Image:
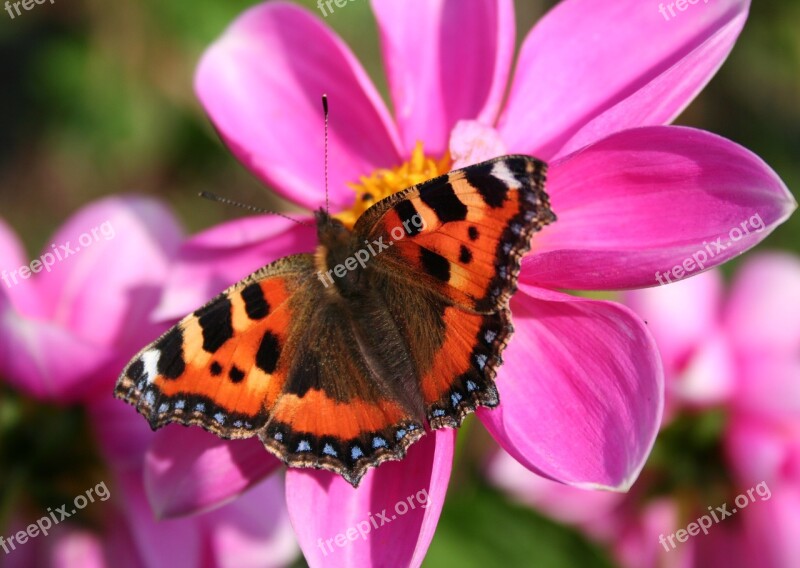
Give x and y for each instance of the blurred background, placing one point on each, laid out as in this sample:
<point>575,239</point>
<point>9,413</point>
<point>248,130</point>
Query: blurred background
<point>96,98</point>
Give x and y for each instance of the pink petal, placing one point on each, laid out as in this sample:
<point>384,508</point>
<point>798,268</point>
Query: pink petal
<point>104,293</point>
<point>123,436</point>
<point>436,78</point>
<point>94,303</point>
<point>769,384</point>
<point>14,290</point>
<point>161,543</point>
<point>65,546</point>
<point>709,378</point>
<point>48,362</point>
<point>188,470</point>
<point>585,72</point>
<point>638,544</point>
<point>651,204</point>
<point>763,320</point>
<point>254,531</point>
<point>472,142</point>
<point>341,526</point>
<point>764,309</point>
<point>760,448</point>
<point>212,260</point>
<point>678,332</point>
<point>581,391</point>
<point>771,526</point>
<point>261,84</point>
<point>75,547</point>
<point>726,544</point>
<point>698,362</point>
<point>561,502</point>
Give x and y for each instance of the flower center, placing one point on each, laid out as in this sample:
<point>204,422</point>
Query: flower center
<point>386,181</point>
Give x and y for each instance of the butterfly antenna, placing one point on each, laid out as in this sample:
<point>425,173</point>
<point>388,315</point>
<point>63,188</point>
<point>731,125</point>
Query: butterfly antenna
<point>325,112</point>
<point>219,199</point>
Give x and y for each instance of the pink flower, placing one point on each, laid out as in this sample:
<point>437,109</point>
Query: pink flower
<point>65,334</point>
<point>739,349</point>
<point>581,389</point>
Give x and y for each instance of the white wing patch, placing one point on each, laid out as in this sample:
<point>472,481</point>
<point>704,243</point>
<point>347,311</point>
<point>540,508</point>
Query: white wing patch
<point>501,172</point>
<point>150,361</point>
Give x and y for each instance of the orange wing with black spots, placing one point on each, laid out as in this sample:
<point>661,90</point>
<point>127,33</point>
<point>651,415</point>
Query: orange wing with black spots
<point>457,241</point>
<point>463,234</point>
<point>270,357</point>
<point>221,366</point>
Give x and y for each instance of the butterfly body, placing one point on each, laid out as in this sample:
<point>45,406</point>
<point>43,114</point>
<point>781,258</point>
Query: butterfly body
<point>342,358</point>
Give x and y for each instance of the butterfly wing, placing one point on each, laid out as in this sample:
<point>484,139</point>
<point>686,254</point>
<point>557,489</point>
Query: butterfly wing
<point>272,357</point>
<point>451,254</point>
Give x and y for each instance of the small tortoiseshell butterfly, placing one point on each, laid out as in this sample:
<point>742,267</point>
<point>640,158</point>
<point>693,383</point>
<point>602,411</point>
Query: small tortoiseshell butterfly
<point>341,359</point>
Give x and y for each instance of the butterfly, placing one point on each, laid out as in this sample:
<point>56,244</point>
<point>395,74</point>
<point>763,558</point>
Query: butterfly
<point>343,358</point>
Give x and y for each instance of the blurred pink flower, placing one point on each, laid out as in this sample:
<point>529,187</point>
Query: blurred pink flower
<point>739,349</point>
<point>65,334</point>
<point>633,198</point>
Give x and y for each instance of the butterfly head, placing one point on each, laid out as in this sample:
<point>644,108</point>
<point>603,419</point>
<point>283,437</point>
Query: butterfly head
<point>330,231</point>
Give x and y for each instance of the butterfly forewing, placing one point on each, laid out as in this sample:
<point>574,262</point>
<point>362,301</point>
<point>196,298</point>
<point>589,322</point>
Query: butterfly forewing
<point>462,236</point>
<point>222,366</point>
<point>271,357</point>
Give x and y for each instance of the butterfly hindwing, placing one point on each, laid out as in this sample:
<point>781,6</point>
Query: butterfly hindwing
<point>337,411</point>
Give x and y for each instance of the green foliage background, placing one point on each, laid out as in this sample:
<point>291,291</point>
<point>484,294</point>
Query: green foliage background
<point>96,98</point>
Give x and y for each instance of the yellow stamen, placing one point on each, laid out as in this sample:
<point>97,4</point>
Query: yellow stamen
<point>384,182</point>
